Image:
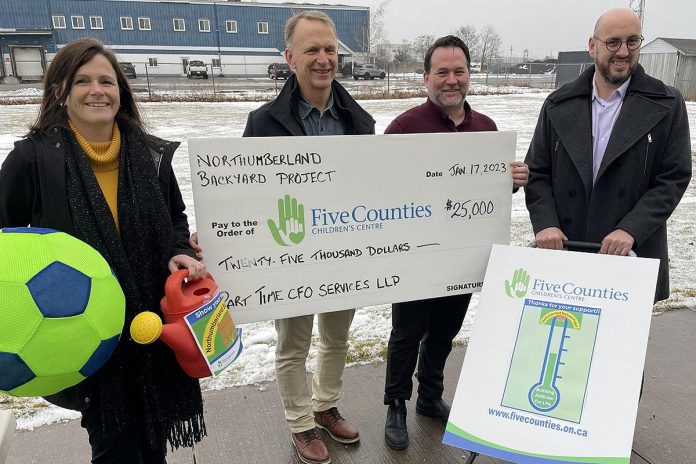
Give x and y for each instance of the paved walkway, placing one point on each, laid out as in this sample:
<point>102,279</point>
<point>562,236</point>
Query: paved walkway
<point>246,424</point>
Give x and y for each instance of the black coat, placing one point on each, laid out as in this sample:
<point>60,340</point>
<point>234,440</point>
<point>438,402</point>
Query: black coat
<point>33,192</point>
<point>643,175</point>
<point>280,117</point>
<point>33,189</point>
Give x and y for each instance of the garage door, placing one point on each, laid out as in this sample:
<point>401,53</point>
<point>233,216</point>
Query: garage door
<point>28,63</point>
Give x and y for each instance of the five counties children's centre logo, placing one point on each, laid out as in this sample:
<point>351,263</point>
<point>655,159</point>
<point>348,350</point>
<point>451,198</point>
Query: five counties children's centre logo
<point>519,285</point>
<point>290,228</point>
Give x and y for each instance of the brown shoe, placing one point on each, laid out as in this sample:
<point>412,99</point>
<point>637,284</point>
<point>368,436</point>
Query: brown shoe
<point>339,428</point>
<point>310,448</point>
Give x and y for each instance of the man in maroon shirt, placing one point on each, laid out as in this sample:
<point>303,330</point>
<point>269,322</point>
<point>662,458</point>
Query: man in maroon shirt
<point>432,324</point>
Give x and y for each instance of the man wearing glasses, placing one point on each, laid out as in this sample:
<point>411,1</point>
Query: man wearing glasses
<point>611,156</point>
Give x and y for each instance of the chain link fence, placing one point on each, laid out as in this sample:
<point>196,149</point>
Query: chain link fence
<point>255,80</point>
<point>530,74</point>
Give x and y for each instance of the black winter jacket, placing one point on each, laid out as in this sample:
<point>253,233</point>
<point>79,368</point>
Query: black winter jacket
<point>280,117</point>
<point>33,192</point>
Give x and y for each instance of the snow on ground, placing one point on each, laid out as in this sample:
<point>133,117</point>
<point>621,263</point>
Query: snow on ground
<point>371,326</point>
<point>21,92</point>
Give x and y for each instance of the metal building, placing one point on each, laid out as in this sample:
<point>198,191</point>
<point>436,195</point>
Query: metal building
<point>570,65</point>
<point>673,61</point>
<point>231,37</point>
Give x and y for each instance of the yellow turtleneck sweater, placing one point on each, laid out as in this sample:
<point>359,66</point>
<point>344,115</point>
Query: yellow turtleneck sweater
<point>104,158</point>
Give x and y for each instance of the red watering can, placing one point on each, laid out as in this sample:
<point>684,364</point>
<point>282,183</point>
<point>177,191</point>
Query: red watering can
<point>181,297</point>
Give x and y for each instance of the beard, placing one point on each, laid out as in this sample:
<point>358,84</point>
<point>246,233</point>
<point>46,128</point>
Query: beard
<point>449,101</point>
<point>605,72</point>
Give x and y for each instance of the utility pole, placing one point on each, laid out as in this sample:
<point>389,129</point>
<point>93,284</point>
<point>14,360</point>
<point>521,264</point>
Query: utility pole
<point>639,7</point>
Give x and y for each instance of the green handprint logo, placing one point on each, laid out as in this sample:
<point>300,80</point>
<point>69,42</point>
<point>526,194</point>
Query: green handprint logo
<point>290,229</point>
<point>519,285</point>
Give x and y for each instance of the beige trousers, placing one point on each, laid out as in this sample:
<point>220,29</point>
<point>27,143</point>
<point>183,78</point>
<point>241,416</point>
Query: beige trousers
<point>294,338</point>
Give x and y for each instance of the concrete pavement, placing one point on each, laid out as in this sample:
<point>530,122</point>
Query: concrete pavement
<point>246,424</point>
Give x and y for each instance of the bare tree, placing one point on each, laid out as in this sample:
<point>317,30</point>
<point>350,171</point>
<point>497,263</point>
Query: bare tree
<point>471,38</point>
<point>403,53</point>
<point>490,45</point>
<point>382,55</point>
<point>422,43</point>
<point>377,39</point>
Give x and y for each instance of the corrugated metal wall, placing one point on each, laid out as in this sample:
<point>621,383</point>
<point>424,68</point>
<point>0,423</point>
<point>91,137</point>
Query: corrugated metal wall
<point>661,66</point>
<point>351,22</point>
<point>663,61</point>
<point>25,14</point>
<point>673,69</point>
<point>686,76</point>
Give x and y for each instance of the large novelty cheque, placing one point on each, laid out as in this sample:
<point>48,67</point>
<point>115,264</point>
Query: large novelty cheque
<point>302,225</point>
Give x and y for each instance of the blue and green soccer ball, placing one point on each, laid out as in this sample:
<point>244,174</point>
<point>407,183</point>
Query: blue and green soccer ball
<point>61,311</point>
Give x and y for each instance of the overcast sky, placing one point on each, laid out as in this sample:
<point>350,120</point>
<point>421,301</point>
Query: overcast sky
<point>543,27</point>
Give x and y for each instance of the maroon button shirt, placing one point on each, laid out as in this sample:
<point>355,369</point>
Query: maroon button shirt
<point>429,118</point>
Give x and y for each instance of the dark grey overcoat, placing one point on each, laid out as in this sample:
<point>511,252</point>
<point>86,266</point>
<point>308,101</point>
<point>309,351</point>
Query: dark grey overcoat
<point>644,173</point>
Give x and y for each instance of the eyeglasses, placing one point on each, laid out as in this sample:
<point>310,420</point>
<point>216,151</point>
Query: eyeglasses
<point>613,45</point>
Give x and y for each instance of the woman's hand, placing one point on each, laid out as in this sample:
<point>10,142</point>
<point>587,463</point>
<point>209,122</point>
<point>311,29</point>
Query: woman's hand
<point>196,268</point>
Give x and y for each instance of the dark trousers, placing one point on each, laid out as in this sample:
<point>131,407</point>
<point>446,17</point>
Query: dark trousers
<point>422,331</point>
<point>130,448</point>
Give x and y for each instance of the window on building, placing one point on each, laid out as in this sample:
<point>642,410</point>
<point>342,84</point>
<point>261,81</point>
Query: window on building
<point>126,23</point>
<point>216,62</point>
<point>262,27</point>
<point>144,24</point>
<point>152,62</point>
<point>58,22</point>
<point>78,22</point>
<point>179,24</point>
<point>231,27</point>
<point>95,22</point>
<point>204,25</point>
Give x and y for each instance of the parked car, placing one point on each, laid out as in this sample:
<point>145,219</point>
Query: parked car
<point>196,68</point>
<point>368,71</point>
<point>279,70</point>
<point>128,69</point>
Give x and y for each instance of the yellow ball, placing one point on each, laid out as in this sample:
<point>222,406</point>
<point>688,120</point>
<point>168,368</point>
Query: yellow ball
<point>146,328</point>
